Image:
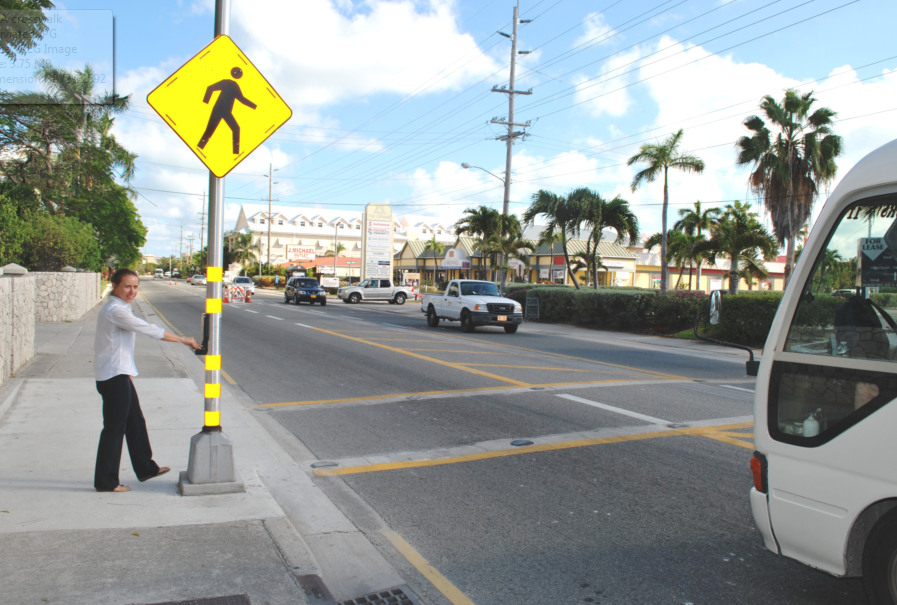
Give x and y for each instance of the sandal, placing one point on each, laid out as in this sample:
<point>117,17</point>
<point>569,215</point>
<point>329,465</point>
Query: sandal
<point>162,470</point>
<point>119,489</point>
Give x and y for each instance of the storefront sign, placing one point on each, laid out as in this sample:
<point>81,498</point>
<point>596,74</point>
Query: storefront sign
<point>330,282</point>
<point>614,264</point>
<point>300,252</point>
<point>454,263</point>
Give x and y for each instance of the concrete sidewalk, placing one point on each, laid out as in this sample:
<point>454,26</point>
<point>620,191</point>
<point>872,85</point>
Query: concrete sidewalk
<point>65,543</point>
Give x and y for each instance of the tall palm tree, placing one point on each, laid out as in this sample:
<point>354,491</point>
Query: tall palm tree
<point>336,250</point>
<point>508,247</point>
<point>789,168</point>
<point>659,157</point>
<point>740,237</point>
<point>598,214</point>
<point>694,221</point>
<point>562,215</point>
<point>551,239</point>
<point>436,248</point>
<point>243,249</point>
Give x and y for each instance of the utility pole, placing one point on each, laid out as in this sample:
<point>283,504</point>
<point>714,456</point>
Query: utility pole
<point>335,242</point>
<point>202,226</point>
<point>512,134</point>
<point>190,239</point>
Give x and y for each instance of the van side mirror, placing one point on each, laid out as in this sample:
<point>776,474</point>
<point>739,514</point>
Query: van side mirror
<point>716,307</point>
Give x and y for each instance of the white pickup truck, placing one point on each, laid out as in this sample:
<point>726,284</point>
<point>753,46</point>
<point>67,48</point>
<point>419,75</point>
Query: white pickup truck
<point>473,303</point>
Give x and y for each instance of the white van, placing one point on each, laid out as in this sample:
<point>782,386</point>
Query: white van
<point>159,274</point>
<point>825,416</point>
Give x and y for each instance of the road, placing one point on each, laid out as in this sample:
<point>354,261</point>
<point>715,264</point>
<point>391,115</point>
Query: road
<point>631,485</point>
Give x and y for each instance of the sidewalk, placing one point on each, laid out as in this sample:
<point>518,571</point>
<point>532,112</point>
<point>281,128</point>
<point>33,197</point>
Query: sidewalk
<point>65,543</point>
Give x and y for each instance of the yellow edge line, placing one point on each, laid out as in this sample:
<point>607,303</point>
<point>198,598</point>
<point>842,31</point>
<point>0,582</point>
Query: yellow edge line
<point>162,317</point>
<point>745,444</point>
<point>227,377</point>
<point>439,581</point>
<point>448,392</point>
<point>613,365</point>
<point>547,447</point>
<point>425,358</point>
<point>472,352</point>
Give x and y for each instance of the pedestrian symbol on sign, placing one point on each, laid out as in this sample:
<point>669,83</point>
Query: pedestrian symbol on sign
<point>224,108</point>
<point>239,95</point>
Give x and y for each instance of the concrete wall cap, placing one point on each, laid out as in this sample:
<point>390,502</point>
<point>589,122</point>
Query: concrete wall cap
<point>68,269</point>
<point>14,269</point>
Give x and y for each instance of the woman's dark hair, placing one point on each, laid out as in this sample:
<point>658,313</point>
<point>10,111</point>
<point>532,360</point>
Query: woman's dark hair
<point>120,274</point>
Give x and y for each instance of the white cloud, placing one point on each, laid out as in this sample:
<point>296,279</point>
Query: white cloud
<point>597,31</point>
<point>605,92</point>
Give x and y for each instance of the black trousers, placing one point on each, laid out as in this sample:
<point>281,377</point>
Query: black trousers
<point>122,418</point>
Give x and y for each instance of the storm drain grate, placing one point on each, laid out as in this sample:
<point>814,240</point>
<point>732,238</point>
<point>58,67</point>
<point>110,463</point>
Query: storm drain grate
<point>236,599</point>
<point>393,596</point>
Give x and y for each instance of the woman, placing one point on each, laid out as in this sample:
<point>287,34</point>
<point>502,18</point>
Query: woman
<point>114,366</point>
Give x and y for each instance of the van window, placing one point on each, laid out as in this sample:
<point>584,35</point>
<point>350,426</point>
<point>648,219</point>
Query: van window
<point>845,314</point>
<point>848,304</point>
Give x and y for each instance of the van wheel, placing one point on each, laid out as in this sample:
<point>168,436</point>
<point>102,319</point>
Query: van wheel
<point>400,299</point>
<point>286,299</point>
<point>466,321</point>
<point>880,562</point>
<point>355,298</point>
<point>511,328</point>
<point>432,319</point>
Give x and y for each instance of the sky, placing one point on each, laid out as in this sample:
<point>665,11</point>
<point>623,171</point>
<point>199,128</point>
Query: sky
<point>390,97</point>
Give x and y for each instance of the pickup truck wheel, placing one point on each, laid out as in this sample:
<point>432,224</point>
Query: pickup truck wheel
<point>466,321</point>
<point>355,298</point>
<point>880,562</point>
<point>432,319</point>
<point>511,328</point>
<point>400,299</point>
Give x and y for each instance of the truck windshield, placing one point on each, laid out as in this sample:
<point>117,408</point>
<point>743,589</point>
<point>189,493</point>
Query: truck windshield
<point>479,289</point>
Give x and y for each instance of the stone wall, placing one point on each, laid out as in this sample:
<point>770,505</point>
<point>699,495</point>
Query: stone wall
<point>65,296</point>
<point>17,317</point>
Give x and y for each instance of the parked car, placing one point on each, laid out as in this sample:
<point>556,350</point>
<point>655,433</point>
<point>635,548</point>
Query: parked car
<point>375,289</point>
<point>246,283</point>
<point>473,303</point>
<point>198,279</point>
<point>167,274</point>
<point>307,289</point>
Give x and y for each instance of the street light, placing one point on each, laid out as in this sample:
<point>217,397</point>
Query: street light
<point>467,166</point>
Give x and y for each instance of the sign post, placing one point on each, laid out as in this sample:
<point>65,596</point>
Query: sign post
<point>222,107</point>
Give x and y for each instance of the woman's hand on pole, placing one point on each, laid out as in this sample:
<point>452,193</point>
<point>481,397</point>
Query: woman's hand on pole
<point>184,340</point>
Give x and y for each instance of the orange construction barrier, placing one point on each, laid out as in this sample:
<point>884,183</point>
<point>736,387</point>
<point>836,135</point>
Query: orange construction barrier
<point>226,295</point>
<point>248,296</point>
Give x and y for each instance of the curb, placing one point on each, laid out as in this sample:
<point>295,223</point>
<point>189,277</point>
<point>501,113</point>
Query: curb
<point>12,390</point>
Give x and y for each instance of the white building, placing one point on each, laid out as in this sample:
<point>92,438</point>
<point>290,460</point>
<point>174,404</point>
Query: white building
<point>323,228</point>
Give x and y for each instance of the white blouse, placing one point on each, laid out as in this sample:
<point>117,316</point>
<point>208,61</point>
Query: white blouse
<point>113,345</point>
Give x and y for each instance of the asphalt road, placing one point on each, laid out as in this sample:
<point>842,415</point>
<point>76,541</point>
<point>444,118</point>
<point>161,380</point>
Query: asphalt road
<point>634,489</point>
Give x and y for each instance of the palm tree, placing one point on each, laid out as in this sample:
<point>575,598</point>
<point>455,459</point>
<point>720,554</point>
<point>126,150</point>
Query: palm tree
<point>563,218</point>
<point>740,237</point>
<point>243,249</point>
<point>481,224</point>
<point>508,247</point>
<point>680,251</point>
<point>336,250</point>
<point>788,170</point>
<point>550,238</point>
<point>437,248</point>
<point>663,156</point>
<point>694,222</point>
<point>598,214</point>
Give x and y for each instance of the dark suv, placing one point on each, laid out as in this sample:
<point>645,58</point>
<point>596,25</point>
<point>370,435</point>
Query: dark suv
<point>304,288</point>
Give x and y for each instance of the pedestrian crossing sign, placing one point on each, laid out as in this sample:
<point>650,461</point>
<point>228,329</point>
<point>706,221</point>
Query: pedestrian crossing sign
<point>220,105</point>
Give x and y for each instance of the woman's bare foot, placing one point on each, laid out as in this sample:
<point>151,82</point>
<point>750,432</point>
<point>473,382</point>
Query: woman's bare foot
<point>119,489</point>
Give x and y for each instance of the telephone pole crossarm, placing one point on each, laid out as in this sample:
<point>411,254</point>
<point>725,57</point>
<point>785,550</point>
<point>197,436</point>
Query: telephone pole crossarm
<point>512,92</point>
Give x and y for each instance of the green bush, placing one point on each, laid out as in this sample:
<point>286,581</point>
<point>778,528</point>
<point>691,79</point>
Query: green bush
<point>746,317</point>
<point>887,300</point>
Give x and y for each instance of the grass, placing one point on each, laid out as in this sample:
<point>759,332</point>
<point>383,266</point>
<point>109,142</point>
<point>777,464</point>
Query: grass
<point>688,334</point>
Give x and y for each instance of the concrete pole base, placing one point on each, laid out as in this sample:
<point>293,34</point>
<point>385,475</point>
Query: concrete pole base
<point>210,469</point>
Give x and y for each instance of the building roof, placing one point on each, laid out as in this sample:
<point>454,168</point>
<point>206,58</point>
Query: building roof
<point>417,246</point>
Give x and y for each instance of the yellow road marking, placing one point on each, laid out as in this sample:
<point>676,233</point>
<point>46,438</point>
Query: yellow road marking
<point>721,434</point>
<point>425,358</point>
<point>471,352</point>
<point>162,317</point>
<point>447,392</point>
<point>613,365</point>
<point>227,377</point>
<point>532,449</point>
<point>495,365</point>
<point>439,581</point>
<point>431,341</point>
<point>547,447</point>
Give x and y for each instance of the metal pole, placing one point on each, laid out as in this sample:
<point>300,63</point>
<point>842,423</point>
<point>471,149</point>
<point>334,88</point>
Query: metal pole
<point>211,462</point>
<point>270,177</point>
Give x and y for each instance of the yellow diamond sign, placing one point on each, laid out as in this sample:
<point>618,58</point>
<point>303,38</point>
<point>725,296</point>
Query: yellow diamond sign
<point>220,105</point>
